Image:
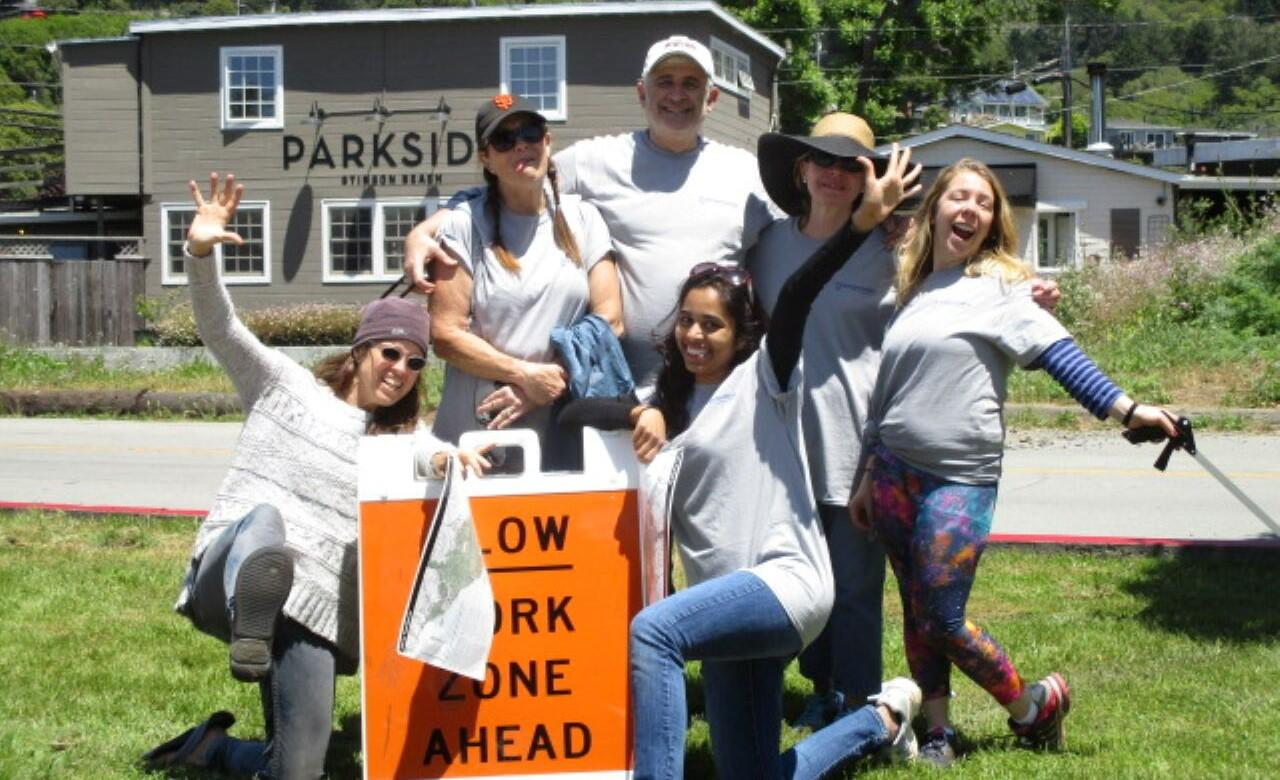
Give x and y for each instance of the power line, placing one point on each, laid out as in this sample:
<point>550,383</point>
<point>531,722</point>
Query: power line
<point>1262,19</point>
<point>1141,92</point>
<point>943,76</point>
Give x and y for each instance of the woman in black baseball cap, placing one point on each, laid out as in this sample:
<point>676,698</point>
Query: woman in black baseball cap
<point>529,261</point>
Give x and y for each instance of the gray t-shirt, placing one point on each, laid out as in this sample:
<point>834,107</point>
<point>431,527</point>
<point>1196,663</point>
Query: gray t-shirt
<point>842,341</point>
<point>666,213</point>
<point>939,399</point>
<point>515,311</point>
<point>742,498</point>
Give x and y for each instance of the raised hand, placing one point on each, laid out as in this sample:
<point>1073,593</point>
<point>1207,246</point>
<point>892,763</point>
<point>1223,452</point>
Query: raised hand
<point>210,224</point>
<point>881,195</point>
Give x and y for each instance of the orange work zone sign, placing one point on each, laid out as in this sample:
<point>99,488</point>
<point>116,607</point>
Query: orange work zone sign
<point>562,557</point>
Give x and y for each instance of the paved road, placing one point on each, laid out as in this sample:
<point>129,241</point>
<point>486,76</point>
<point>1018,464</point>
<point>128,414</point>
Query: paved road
<point>1055,485</point>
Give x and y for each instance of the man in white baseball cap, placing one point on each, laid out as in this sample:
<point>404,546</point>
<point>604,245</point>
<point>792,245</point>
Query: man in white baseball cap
<point>679,46</point>
<point>670,198</point>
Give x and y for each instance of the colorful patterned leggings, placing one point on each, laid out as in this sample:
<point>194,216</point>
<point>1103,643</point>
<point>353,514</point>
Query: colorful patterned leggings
<point>934,532</point>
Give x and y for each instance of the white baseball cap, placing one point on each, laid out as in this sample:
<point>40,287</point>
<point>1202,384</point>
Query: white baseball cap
<point>679,46</point>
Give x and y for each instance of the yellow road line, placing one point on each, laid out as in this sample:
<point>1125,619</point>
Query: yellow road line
<point>1147,472</point>
<point>107,448</point>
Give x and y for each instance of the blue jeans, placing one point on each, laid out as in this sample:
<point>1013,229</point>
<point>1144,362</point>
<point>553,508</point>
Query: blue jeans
<point>297,695</point>
<point>738,629</point>
<point>847,654</point>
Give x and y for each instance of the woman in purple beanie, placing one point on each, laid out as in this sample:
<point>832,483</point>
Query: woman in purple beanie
<point>273,568</point>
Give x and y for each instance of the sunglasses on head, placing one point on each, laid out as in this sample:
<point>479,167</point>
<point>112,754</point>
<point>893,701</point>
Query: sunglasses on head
<point>393,355</point>
<point>824,160</point>
<point>504,139</point>
<point>734,275</point>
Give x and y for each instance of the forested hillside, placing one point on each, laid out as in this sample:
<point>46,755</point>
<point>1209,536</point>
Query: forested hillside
<point>900,63</point>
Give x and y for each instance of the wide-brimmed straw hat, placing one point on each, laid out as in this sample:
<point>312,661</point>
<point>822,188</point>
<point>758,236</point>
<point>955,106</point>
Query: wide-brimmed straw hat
<point>837,134</point>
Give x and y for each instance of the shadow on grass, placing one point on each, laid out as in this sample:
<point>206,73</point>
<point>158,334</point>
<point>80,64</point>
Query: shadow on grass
<point>1226,594</point>
<point>343,759</point>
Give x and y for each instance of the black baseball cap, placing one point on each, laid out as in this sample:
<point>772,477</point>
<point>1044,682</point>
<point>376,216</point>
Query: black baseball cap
<point>498,108</point>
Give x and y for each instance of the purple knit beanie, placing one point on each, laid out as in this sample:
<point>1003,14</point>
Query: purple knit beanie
<point>387,319</point>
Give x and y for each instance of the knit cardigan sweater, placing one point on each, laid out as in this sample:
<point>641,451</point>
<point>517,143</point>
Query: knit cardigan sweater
<point>297,452</point>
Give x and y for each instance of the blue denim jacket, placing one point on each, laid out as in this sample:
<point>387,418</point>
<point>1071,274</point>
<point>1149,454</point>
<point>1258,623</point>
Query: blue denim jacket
<point>593,357</point>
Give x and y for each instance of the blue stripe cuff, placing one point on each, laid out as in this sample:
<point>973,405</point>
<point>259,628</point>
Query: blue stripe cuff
<point>1079,376</point>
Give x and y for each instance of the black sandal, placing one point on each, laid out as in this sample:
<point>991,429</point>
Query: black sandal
<point>181,749</point>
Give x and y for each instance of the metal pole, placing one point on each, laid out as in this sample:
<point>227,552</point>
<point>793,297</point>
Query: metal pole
<point>1066,78</point>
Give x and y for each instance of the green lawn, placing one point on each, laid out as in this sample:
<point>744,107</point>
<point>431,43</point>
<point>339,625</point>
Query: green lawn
<point>1173,658</point>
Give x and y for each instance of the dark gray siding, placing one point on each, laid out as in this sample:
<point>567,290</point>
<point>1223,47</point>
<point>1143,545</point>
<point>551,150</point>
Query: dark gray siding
<point>410,66</point>
<point>100,117</point>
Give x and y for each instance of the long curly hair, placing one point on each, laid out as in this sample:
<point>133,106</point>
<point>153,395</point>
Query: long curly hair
<point>997,255</point>
<point>338,371</point>
<point>675,381</point>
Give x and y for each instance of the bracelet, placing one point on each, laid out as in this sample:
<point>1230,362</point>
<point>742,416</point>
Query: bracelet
<point>1128,416</point>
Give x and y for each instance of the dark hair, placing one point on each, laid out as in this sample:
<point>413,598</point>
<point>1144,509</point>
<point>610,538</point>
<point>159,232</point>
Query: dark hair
<point>338,371</point>
<point>675,381</point>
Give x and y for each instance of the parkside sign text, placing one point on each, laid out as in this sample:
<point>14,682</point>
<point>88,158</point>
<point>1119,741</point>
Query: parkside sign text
<point>391,150</point>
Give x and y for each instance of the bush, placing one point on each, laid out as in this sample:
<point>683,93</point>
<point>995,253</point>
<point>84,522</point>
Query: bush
<point>303,324</point>
<point>1250,296</point>
<point>1221,277</point>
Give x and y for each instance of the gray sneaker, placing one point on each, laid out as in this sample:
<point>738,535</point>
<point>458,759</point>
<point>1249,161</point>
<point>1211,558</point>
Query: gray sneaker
<point>819,710</point>
<point>902,696</point>
<point>939,747</point>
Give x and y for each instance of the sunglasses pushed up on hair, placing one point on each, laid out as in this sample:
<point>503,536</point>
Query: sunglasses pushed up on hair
<point>504,139</point>
<point>734,275</point>
<point>824,160</point>
<point>393,355</point>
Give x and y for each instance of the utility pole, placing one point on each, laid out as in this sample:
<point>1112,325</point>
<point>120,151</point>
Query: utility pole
<point>1066,77</point>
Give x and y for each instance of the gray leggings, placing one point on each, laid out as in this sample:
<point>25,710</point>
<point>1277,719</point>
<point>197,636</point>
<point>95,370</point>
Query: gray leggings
<point>297,695</point>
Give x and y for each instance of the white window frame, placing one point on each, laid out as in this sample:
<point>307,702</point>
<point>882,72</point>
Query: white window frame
<point>224,113</point>
<point>1049,210</point>
<point>562,90</point>
<point>740,59</point>
<point>380,271</point>
<point>168,278</point>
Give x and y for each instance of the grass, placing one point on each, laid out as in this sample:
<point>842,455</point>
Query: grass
<point>26,369</point>
<point>1172,658</point>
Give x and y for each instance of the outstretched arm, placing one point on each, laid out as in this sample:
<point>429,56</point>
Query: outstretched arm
<point>246,360</point>
<point>880,197</point>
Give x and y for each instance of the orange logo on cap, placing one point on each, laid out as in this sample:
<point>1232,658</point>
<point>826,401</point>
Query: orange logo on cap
<point>504,101</point>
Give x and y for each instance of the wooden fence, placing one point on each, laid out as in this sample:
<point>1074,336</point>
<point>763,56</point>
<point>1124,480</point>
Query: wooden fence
<point>44,300</point>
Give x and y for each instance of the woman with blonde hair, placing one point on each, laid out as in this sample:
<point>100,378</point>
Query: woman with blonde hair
<point>936,439</point>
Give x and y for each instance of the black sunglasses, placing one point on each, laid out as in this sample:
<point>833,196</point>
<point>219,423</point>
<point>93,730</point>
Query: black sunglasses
<point>393,355</point>
<point>824,160</point>
<point>734,275</point>
<point>504,139</point>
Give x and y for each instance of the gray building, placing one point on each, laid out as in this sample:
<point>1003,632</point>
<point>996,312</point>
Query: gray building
<point>348,127</point>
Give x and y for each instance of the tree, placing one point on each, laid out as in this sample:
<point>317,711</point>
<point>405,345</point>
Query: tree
<point>887,60</point>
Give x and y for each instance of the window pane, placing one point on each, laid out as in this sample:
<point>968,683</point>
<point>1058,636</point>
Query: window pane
<point>351,240</point>
<point>1062,237</point>
<point>179,223</point>
<point>534,73</point>
<point>249,258</point>
<point>1042,230</point>
<point>250,86</point>
<point>397,221</point>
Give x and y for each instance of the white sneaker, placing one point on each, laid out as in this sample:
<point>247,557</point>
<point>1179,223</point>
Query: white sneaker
<point>902,696</point>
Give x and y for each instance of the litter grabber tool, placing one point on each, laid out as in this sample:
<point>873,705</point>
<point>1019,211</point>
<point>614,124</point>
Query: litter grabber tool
<point>1187,441</point>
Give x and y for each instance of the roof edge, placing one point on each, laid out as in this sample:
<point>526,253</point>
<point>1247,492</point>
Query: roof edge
<point>400,15</point>
<point>1036,147</point>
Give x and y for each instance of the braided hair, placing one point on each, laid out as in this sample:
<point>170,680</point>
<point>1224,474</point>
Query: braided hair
<point>563,235</point>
